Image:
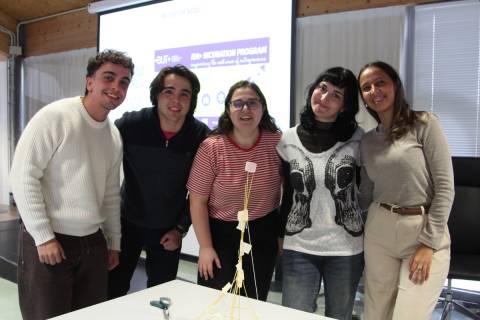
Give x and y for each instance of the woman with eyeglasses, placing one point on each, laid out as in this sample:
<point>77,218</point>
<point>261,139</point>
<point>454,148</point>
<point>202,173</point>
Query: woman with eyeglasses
<point>245,133</point>
<point>408,169</point>
<point>324,226</point>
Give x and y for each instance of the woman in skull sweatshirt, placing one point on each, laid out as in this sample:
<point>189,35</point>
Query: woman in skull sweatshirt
<point>324,223</point>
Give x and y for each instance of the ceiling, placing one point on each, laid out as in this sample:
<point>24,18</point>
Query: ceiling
<point>22,10</point>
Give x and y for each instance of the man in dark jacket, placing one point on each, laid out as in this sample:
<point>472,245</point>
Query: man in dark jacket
<point>159,144</point>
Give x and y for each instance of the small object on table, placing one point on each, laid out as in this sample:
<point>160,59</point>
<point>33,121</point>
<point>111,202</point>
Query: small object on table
<point>163,303</point>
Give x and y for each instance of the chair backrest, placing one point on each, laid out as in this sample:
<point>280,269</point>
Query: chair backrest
<point>464,222</point>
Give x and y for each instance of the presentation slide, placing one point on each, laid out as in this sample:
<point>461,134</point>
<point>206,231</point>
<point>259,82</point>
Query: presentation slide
<point>222,41</point>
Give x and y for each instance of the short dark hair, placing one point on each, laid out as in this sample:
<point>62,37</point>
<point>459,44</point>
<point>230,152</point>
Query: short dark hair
<point>158,84</point>
<point>404,117</point>
<point>345,124</point>
<point>108,55</point>
<point>225,124</point>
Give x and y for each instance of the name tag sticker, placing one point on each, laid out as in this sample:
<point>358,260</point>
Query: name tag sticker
<point>250,167</point>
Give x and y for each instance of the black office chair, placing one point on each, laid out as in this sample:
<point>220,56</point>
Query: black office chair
<point>464,226</point>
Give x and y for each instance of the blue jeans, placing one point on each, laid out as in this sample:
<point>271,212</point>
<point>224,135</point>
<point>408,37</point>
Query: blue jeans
<point>303,274</point>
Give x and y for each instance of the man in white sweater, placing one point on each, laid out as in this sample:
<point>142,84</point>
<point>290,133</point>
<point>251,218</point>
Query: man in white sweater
<point>65,180</point>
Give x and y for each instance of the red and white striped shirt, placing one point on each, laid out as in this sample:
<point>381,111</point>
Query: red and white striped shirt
<point>218,172</point>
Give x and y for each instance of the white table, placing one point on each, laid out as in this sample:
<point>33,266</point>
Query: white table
<point>188,302</point>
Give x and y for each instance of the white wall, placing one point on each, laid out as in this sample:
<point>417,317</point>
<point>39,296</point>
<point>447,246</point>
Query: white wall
<point>52,77</point>
<point>4,129</point>
<point>348,39</point>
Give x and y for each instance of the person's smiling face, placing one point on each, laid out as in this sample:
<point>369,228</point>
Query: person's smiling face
<point>107,87</point>
<point>173,102</point>
<point>245,109</point>
<point>377,89</point>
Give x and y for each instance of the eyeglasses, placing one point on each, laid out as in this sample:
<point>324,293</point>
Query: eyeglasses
<point>251,104</point>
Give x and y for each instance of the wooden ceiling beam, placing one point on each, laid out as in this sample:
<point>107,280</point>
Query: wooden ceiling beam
<point>23,10</point>
<point>7,21</point>
<point>62,33</point>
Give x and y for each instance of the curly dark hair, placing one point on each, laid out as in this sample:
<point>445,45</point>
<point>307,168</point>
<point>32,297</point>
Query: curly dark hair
<point>345,123</point>
<point>404,118</point>
<point>158,84</point>
<point>108,55</point>
<point>225,125</point>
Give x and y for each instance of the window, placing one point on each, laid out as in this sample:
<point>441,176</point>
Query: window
<point>446,70</point>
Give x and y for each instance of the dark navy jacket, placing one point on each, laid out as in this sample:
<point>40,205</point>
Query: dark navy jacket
<point>156,170</point>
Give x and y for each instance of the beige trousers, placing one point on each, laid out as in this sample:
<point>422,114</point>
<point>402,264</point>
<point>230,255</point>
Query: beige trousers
<point>390,242</point>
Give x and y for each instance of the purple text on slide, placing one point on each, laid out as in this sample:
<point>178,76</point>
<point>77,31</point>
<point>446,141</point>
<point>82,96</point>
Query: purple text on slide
<point>232,53</point>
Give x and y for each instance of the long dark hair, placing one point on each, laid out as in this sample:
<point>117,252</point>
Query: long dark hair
<point>404,118</point>
<point>225,125</point>
<point>345,124</point>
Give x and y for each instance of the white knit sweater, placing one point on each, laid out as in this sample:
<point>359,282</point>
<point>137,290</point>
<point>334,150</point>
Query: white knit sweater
<point>65,174</point>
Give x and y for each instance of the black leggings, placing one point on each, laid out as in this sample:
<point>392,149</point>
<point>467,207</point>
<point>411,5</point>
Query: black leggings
<point>226,241</point>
